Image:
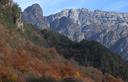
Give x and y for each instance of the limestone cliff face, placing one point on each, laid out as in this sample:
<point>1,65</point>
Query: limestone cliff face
<point>108,28</point>
<point>34,15</point>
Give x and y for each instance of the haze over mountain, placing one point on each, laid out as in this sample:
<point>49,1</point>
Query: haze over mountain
<point>108,28</point>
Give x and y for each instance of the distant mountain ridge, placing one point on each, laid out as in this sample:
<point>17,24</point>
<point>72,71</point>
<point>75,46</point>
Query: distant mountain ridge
<point>108,28</point>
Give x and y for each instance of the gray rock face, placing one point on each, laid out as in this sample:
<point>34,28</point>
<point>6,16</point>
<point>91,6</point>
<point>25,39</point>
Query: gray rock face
<point>108,28</point>
<point>34,15</point>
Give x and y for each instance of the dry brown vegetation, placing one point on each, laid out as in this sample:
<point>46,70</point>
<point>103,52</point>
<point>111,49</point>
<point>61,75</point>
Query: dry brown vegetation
<point>20,59</point>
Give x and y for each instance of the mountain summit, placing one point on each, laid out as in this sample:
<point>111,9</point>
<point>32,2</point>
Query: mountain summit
<point>34,15</point>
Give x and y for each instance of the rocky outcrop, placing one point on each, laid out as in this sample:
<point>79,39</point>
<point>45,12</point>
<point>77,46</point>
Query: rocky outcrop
<point>34,15</point>
<point>20,24</point>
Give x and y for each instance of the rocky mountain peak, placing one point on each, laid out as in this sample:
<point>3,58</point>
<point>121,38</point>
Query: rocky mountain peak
<point>34,15</point>
<point>36,5</point>
<point>35,8</point>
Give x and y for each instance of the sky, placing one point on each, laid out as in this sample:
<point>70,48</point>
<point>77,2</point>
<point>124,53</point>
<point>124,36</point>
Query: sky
<point>53,6</point>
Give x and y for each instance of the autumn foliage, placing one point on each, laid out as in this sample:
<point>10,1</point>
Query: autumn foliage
<point>20,59</point>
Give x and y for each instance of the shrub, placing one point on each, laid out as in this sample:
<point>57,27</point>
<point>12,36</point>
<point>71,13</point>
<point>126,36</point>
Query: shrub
<point>8,16</point>
<point>3,2</point>
<point>16,12</point>
<point>71,80</point>
<point>41,79</point>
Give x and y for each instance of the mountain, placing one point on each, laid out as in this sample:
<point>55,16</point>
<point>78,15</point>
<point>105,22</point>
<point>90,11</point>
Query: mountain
<point>34,15</point>
<point>108,28</point>
<point>24,59</point>
<point>46,56</point>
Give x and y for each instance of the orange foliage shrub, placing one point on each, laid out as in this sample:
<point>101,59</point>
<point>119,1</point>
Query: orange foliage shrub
<point>52,51</point>
<point>69,71</point>
<point>37,66</point>
<point>20,62</point>
<point>111,78</point>
<point>88,79</point>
